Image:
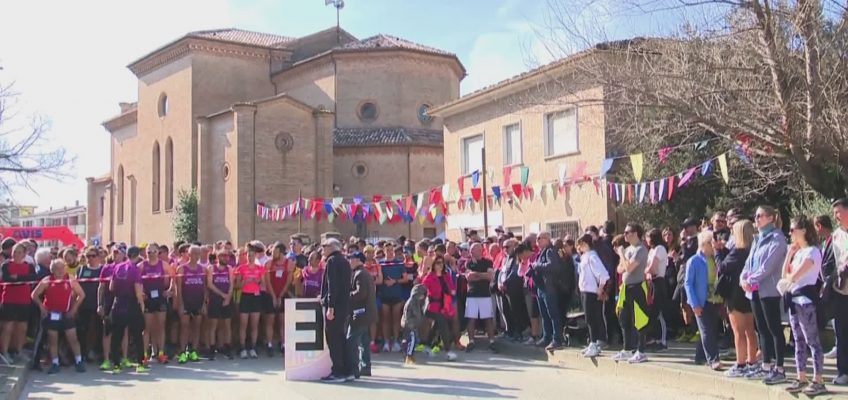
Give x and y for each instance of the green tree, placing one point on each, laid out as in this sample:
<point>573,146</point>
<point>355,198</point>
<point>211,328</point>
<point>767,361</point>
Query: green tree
<point>185,217</point>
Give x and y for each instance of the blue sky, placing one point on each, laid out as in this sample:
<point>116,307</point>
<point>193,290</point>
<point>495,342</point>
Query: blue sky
<point>68,62</point>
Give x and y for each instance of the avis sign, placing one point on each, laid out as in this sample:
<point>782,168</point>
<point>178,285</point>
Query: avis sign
<point>307,356</point>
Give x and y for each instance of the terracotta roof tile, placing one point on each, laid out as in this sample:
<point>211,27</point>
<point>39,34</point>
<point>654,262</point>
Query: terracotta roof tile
<point>244,37</point>
<point>356,137</point>
<point>391,42</point>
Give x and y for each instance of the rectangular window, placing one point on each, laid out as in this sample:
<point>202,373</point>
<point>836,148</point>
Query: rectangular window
<point>560,229</point>
<point>472,154</point>
<point>561,132</point>
<point>512,144</point>
<point>102,205</point>
<point>429,233</point>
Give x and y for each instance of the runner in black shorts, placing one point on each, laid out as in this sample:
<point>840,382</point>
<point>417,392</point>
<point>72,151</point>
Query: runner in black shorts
<point>191,293</point>
<point>61,300</point>
<point>156,282</point>
<point>219,283</point>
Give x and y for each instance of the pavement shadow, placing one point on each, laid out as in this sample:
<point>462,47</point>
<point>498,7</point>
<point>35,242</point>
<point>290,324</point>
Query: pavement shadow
<point>438,386</point>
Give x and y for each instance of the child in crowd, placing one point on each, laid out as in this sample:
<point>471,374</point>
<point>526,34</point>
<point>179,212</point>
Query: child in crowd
<point>413,317</point>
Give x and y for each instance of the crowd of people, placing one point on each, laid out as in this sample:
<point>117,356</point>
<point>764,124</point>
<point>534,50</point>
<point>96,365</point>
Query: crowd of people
<point>723,282</point>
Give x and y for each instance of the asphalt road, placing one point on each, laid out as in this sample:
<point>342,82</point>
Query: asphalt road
<point>478,375</point>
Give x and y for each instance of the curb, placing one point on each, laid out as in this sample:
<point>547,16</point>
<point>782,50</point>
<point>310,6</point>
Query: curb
<point>14,379</point>
<point>683,377</point>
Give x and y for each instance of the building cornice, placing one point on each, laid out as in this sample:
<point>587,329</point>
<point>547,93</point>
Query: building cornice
<point>184,46</point>
<point>125,119</point>
<point>319,59</point>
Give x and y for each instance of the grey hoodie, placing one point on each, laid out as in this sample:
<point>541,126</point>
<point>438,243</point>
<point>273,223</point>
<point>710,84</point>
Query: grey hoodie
<point>413,310</point>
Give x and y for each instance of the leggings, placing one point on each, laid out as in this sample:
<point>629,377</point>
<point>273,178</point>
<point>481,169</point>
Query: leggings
<point>769,327</point>
<point>805,328</point>
<point>443,326</point>
<point>85,318</point>
<point>593,310</point>
<point>634,339</point>
<point>133,322</point>
<point>659,328</point>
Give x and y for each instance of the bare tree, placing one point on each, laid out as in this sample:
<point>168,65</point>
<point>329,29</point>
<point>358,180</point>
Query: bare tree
<point>25,152</point>
<point>766,79</point>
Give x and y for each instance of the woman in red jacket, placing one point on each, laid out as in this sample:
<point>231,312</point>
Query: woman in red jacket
<point>440,310</point>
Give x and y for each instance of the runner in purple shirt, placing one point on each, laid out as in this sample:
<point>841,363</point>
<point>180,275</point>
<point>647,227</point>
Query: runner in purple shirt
<point>128,307</point>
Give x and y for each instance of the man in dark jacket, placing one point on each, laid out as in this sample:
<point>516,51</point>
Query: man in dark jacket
<point>364,313</point>
<point>546,271</point>
<point>335,297</point>
<point>610,260</point>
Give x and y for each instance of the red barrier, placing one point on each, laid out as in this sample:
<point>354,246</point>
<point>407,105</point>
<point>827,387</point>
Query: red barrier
<point>42,233</point>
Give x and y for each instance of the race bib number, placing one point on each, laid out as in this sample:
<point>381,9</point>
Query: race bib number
<point>55,316</point>
<point>154,294</point>
<point>279,273</point>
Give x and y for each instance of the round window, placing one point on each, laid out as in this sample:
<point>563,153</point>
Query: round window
<point>423,114</point>
<point>359,170</point>
<point>225,171</point>
<point>163,105</point>
<point>368,111</point>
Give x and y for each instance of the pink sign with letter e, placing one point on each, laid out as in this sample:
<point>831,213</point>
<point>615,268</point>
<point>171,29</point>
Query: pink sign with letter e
<point>307,355</point>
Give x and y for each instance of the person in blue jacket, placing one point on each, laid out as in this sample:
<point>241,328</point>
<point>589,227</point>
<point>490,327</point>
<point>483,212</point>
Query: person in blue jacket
<point>701,277</point>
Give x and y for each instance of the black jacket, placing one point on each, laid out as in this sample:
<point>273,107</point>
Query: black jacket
<point>828,259</point>
<point>335,286</point>
<point>552,270</point>
<point>363,299</point>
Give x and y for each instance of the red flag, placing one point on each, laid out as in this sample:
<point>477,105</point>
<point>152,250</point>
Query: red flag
<point>507,174</point>
<point>461,184</point>
<point>630,193</point>
<point>670,186</point>
<point>516,190</point>
<point>597,184</point>
<point>476,193</point>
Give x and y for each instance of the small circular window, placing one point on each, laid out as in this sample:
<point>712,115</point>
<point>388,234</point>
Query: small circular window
<point>225,171</point>
<point>163,105</point>
<point>368,111</point>
<point>359,170</point>
<point>424,114</point>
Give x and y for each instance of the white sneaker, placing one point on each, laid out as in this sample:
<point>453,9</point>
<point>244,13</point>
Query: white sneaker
<point>396,347</point>
<point>623,355</point>
<point>638,357</point>
<point>841,380</point>
<point>243,354</point>
<point>428,351</point>
<point>831,354</point>
<point>386,347</point>
<point>592,352</point>
<point>451,356</point>
<point>253,354</point>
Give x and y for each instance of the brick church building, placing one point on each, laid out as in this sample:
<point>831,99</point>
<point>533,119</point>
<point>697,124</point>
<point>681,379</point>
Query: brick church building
<point>246,117</point>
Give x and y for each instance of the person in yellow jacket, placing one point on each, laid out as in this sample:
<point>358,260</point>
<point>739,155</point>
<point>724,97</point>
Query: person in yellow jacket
<point>634,304</point>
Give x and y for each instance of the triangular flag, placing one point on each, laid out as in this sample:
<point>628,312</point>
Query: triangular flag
<point>445,192</point>
<point>525,174</point>
<point>476,193</point>
<point>475,178</point>
<point>663,153</point>
<point>652,192</point>
<point>461,184</point>
<point>337,201</point>
<point>662,190</point>
<point>579,171</point>
<point>686,177</point>
<point>630,192</point>
<point>554,189</point>
<point>507,174</point>
<point>562,174</point>
<point>617,193</point>
<point>597,184</point>
<point>642,189</point>
<point>516,190</point>
<point>705,168</point>
<point>637,160</point>
<point>670,186</point>
<point>420,205</point>
<point>496,191</point>
<point>722,165</point>
<point>606,166</point>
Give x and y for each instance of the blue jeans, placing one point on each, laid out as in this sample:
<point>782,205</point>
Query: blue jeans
<point>708,326</point>
<point>359,349</point>
<point>551,317</point>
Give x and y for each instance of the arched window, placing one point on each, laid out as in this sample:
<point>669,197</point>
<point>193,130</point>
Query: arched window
<point>120,189</point>
<point>169,174</point>
<point>155,176</point>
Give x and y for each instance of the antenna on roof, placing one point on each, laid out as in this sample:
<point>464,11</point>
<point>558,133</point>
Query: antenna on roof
<point>339,4</point>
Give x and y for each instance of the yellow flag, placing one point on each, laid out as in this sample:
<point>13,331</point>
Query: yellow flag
<point>637,161</point>
<point>722,164</point>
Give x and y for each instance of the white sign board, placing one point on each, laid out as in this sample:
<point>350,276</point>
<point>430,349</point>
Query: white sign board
<point>307,355</point>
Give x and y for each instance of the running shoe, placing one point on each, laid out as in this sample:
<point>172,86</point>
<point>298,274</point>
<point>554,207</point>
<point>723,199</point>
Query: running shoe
<point>420,348</point>
<point>396,347</point>
<point>54,369</point>
<point>436,350</point>
<point>638,358</point>
<point>815,389</point>
<point>126,364</point>
<point>142,369</point>
<point>163,359</point>
<point>530,341</point>
<point>116,370</point>
<point>831,354</point>
<point>333,379</point>
<point>183,357</point>
<point>270,350</point>
<point>470,347</point>
<point>696,338</point>
<point>840,380</point>
<point>553,346</point>
<point>386,347</point>
<point>458,345</point>
<point>756,372</point>
<point>684,337</point>
<point>592,351</point>
<point>374,348</point>
<point>623,355</point>
<point>106,365</point>
<point>193,356</point>
<point>451,356</point>
<point>775,377</point>
<point>350,378</point>
<point>797,387</point>
<point>80,366</point>
<point>145,361</point>
<point>492,347</point>
<point>409,360</point>
<point>253,354</point>
<point>243,354</point>
<point>735,372</point>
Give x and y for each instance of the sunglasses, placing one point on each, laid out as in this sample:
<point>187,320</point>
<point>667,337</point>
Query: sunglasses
<point>90,255</point>
<point>723,221</point>
<point>627,232</point>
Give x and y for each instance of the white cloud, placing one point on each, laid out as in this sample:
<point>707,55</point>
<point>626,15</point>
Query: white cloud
<point>68,63</point>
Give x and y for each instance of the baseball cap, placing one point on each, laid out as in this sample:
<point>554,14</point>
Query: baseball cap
<point>463,246</point>
<point>122,247</point>
<point>499,229</point>
<point>357,255</point>
<point>690,222</point>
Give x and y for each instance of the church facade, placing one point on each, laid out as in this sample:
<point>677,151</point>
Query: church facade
<point>245,117</point>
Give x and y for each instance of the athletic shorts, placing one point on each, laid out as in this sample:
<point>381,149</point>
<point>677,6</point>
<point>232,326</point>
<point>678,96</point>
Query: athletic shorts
<point>250,303</point>
<point>390,301</point>
<point>479,308</point>
<point>61,324</point>
<point>15,312</point>
<point>155,305</point>
<point>107,325</point>
<point>216,309</point>
<point>268,304</point>
<point>192,310</point>
<point>532,305</point>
